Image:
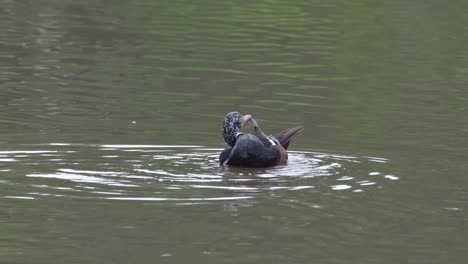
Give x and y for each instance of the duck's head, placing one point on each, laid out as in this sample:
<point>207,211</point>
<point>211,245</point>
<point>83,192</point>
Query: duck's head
<point>233,121</point>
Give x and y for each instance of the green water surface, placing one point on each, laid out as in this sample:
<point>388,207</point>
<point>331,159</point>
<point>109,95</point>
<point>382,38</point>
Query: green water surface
<point>110,115</point>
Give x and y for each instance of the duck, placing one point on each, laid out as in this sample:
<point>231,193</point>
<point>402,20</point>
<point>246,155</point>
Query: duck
<point>254,150</point>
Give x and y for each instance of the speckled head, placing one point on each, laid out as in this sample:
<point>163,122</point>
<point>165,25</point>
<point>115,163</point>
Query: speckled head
<point>233,121</point>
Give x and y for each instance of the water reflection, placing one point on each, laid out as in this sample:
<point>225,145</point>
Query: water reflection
<point>181,173</point>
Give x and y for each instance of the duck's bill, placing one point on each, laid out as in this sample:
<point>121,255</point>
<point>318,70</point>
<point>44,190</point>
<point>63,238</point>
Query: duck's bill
<point>249,119</point>
<point>253,122</point>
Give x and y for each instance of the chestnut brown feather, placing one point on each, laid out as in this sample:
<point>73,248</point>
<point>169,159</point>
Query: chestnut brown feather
<point>286,135</point>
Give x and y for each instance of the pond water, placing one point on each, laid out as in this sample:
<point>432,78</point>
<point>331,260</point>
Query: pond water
<point>110,115</point>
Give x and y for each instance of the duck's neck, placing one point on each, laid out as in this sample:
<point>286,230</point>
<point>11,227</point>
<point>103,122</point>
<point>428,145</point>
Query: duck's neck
<point>230,133</point>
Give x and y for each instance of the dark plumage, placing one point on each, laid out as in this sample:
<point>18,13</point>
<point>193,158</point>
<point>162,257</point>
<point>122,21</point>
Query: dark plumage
<point>232,123</point>
<point>253,149</point>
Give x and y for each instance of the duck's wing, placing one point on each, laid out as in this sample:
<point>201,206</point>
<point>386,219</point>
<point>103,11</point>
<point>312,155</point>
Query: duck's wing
<point>250,151</point>
<point>255,143</point>
<point>267,141</point>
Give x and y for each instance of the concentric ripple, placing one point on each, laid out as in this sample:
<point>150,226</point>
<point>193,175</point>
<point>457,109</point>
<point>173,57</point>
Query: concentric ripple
<point>184,174</point>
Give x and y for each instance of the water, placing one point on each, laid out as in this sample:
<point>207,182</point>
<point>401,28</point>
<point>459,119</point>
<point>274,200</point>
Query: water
<point>110,130</point>
<point>186,174</point>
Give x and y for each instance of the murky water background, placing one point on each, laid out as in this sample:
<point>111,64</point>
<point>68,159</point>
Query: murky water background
<point>109,131</point>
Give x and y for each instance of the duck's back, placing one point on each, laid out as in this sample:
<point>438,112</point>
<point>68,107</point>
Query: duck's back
<point>251,150</point>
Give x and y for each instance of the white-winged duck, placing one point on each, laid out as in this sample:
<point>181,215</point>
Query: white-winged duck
<point>255,149</point>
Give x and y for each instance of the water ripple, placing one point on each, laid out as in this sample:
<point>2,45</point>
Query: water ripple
<point>181,173</point>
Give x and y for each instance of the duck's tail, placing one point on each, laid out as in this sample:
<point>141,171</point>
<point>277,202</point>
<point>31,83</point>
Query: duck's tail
<point>285,137</point>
